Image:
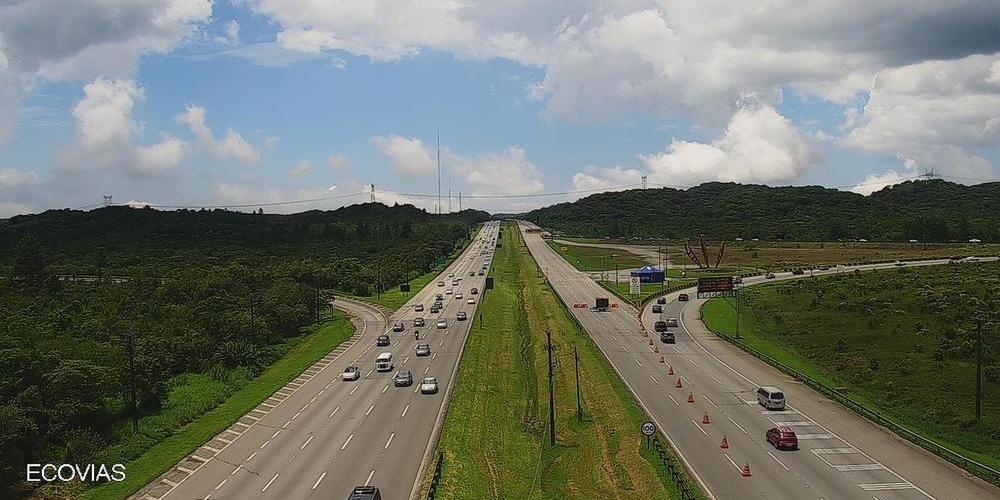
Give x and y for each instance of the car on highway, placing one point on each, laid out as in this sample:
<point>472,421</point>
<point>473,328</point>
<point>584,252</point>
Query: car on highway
<point>365,493</point>
<point>440,283</point>
<point>661,300</point>
<point>899,263</point>
<point>451,275</point>
<point>771,398</point>
<point>442,324</point>
<point>439,296</point>
<point>423,350</point>
<point>672,322</point>
<point>418,308</point>
<point>454,282</point>
<point>782,438</point>
<point>461,316</point>
<point>448,292</point>
<point>798,271</point>
<point>458,295</point>
<point>668,338</point>
<point>657,309</point>
<point>398,326</point>
<point>418,321</point>
<point>382,340</point>
<point>435,309</point>
<point>769,276</point>
<point>474,291</point>
<point>383,362</point>
<point>429,385</point>
<point>480,272</point>
<point>660,326</point>
<point>823,268</point>
<point>351,373</point>
<point>403,378</point>
<point>682,297</point>
<point>737,279</point>
<point>472,273</point>
<point>439,304</point>
<point>470,301</point>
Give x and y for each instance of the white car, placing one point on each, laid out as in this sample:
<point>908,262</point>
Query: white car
<point>447,292</point>
<point>458,295</point>
<point>442,324</point>
<point>429,385</point>
<point>351,373</point>
<point>471,301</point>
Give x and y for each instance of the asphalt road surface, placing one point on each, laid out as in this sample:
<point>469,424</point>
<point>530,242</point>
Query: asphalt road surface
<point>840,455</point>
<point>325,436</point>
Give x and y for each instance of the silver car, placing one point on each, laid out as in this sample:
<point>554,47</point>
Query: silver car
<point>429,385</point>
<point>351,373</point>
<point>442,324</point>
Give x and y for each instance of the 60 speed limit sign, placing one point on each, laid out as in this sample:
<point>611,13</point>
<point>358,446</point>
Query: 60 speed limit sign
<point>648,429</point>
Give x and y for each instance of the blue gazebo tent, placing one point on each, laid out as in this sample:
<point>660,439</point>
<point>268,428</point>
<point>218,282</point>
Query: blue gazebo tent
<point>648,274</point>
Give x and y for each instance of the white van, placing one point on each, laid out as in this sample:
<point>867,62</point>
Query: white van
<point>383,362</point>
<point>771,398</point>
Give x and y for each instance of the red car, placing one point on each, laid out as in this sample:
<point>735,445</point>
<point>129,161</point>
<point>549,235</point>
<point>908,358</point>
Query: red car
<point>782,437</point>
<point>682,297</point>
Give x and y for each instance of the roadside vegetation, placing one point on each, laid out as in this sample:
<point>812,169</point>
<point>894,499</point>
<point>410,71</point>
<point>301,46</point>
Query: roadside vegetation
<point>596,259</point>
<point>903,341</point>
<point>495,437</point>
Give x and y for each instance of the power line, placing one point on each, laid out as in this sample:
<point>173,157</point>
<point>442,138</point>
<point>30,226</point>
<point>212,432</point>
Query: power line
<point>525,195</point>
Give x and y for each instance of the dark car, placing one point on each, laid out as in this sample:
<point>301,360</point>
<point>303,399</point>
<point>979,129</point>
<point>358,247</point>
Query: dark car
<point>480,273</point>
<point>657,309</point>
<point>398,326</point>
<point>382,341</point>
<point>418,308</point>
<point>769,276</point>
<point>439,296</point>
<point>668,338</point>
<point>798,272</point>
<point>403,378</point>
<point>365,493</point>
<point>682,297</point>
<point>461,316</point>
<point>423,350</point>
<point>418,321</point>
<point>660,326</point>
<point>782,438</point>
<point>473,291</point>
<point>435,309</point>
<point>661,300</point>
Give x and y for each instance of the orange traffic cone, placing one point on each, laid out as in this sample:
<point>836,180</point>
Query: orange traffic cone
<point>661,359</point>
<point>746,470</point>
<point>679,384</point>
<point>690,397</point>
<point>671,372</point>
<point>650,341</point>
<point>725,442</point>
<point>656,349</point>
<point>705,419</point>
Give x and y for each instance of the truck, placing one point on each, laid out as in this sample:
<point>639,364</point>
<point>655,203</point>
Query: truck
<point>601,304</point>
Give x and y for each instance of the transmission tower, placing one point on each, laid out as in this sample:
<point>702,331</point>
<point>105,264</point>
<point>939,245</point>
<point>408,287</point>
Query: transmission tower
<point>373,193</point>
<point>107,200</point>
<point>644,182</point>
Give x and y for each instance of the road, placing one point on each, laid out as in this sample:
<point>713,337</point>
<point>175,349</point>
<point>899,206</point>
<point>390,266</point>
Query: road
<point>320,436</point>
<point>841,455</point>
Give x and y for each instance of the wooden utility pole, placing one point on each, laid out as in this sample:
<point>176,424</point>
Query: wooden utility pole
<point>552,399</point>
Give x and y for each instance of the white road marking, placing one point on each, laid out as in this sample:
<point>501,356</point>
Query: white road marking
<point>709,400</point>
<point>265,444</point>
<point>716,379</point>
<point>275,433</point>
<point>685,379</point>
<point>321,476</point>
<point>349,438</point>
<point>779,461</point>
<point>698,427</point>
<point>654,380</point>
<point>370,408</point>
<point>738,425</point>
<point>320,393</point>
<point>370,474</point>
<point>886,486</point>
<point>426,368</point>
<point>238,467</point>
<point>637,363</point>
<point>858,467</point>
<point>406,409</point>
<point>816,436</point>
<point>306,443</point>
<point>313,400</point>
<point>693,363</point>
<point>353,390</point>
<point>266,486</point>
<point>222,483</point>
<point>296,415</point>
<point>406,359</point>
<point>435,355</point>
<point>833,451</point>
<point>335,410</point>
<point>794,424</point>
<point>671,396</point>
<point>732,462</point>
<point>369,373</point>
<point>254,454</point>
<point>386,388</point>
<point>387,443</point>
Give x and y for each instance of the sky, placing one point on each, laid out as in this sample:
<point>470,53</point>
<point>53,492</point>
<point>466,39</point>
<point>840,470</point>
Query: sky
<point>289,105</point>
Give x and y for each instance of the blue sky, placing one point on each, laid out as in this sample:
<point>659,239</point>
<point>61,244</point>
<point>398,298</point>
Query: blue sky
<point>165,102</point>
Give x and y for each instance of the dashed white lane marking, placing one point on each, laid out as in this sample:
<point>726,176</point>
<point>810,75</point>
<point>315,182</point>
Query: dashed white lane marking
<point>654,380</point>
<point>237,469</point>
<point>268,485</point>
<point>406,409</point>
<point>321,476</point>
<point>685,379</point>
<point>624,347</point>
<point>275,433</point>
<point>732,462</point>
<point>774,412</point>
<point>370,474</point>
<point>693,362</point>
<point>671,396</point>
<point>426,369</point>
<point>222,483</point>
<point>794,424</point>
<point>386,388</point>
<point>353,390</point>
<point>349,438</point>
<point>306,443</point>
<point>716,379</point>
<point>441,343</point>
<point>369,373</point>
<point>779,461</point>
<point>858,467</point>
<point>738,425</point>
<point>387,443</point>
<point>698,427</point>
<point>816,436</point>
<point>709,400</point>
<point>637,363</point>
<point>296,415</point>
<point>434,356</point>
<point>254,454</point>
<point>370,408</point>
<point>833,451</point>
<point>265,444</point>
<point>886,486</point>
<point>334,412</point>
<point>406,359</point>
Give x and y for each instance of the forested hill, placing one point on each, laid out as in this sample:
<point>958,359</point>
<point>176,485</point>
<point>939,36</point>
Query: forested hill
<point>931,210</point>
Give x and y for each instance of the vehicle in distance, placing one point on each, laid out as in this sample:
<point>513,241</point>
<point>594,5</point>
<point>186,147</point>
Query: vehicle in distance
<point>472,273</point>
<point>418,321</point>
<point>447,292</point>
<point>461,316</point>
<point>383,362</point>
<point>451,275</point>
<point>398,326</point>
<point>442,324</point>
<point>672,322</point>
<point>440,283</point>
<point>403,378</point>
<point>435,308</point>
<point>823,267</point>
<point>365,493</point>
<point>601,304</point>
<point>782,438</point>
<point>429,385</point>
<point>661,300</point>
<point>769,276</point>
<point>798,272</point>
<point>737,279</point>
<point>668,338</point>
<point>439,296</point>
<point>660,326</point>
<point>899,263</point>
<point>470,301</point>
<point>423,350</point>
<point>771,398</point>
<point>682,297</point>
<point>458,295</point>
<point>418,308</point>
<point>474,291</point>
<point>351,373</point>
<point>480,272</point>
<point>454,282</point>
<point>382,340</point>
<point>657,309</point>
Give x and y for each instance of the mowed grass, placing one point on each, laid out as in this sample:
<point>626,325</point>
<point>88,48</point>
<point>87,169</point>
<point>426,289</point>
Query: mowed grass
<point>495,438</point>
<point>902,341</point>
<point>595,259</point>
<point>183,440</point>
<point>646,289</point>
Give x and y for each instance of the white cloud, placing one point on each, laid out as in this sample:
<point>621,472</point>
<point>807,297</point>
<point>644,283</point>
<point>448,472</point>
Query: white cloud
<point>300,169</point>
<point>408,156</point>
<point>12,177</point>
<point>759,145</point>
<point>506,173</point>
<point>876,182</point>
<point>10,209</point>
<point>232,144</point>
<point>605,178</point>
<point>230,34</point>
<point>338,162</point>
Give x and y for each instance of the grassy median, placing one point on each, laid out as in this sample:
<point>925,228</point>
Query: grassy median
<point>495,438</point>
<point>901,341</point>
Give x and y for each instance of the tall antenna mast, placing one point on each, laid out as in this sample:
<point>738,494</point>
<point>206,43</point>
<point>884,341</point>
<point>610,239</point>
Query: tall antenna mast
<point>373,193</point>
<point>449,195</point>
<point>439,170</point>
<point>459,201</point>
<point>107,200</point>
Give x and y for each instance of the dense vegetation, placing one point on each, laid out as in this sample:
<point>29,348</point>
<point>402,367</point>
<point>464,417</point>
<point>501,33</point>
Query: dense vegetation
<point>933,210</point>
<point>904,340</point>
<point>209,299</point>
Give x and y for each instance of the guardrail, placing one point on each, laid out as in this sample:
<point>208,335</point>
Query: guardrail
<point>676,470</point>
<point>838,394</point>
<point>436,479</point>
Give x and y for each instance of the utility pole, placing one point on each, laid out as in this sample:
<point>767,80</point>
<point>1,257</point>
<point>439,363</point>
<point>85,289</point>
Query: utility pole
<point>737,310</point>
<point>439,170</point>
<point>979,370</point>
<point>552,399</point>
<point>134,410</point>
<point>579,405</point>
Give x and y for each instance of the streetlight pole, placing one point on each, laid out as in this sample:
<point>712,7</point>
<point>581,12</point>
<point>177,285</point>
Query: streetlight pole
<point>979,370</point>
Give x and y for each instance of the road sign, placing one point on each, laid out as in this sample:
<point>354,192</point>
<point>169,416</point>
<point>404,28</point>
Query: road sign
<point>715,286</point>
<point>634,285</point>
<point>648,428</point>
<point>404,287</point>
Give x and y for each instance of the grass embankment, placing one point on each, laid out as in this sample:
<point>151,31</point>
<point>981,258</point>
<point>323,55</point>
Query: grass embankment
<point>646,289</point>
<point>901,341</point>
<point>191,416</point>
<point>595,259</point>
<point>495,440</point>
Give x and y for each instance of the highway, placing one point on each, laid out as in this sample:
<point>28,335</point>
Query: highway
<point>840,456</point>
<point>319,436</point>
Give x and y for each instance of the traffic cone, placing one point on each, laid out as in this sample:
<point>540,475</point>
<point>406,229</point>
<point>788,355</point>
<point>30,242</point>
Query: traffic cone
<point>650,341</point>
<point>671,372</point>
<point>725,442</point>
<point>690,397</point>
<point>662,360</point>
<point>705,419</point>
<point>679,384</point>
<point>656,349</point>
<point>746,470</point>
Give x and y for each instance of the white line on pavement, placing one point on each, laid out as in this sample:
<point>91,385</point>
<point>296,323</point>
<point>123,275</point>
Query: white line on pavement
<point>370,408</point>
<point>387,443</point>
<point>698,427</point>
<point>349,438</point>
<point>266,486</point>
<point>779,461</point>
<point>321,476</point>
<point>405,410</point>
<point>335,410</point>
<point>306,443</point>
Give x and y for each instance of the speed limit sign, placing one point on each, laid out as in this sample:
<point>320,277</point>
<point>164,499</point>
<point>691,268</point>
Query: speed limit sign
<point>648,429</point>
